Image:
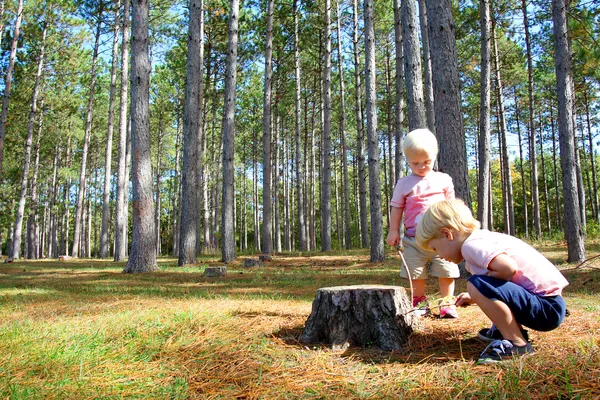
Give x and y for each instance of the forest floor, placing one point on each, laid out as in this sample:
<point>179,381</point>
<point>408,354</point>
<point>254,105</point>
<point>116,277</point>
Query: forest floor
<point>81,329</point>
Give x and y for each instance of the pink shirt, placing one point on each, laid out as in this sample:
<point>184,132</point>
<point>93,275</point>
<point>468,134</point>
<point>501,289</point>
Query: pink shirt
<point>535,273</point>
<point>414,194</point>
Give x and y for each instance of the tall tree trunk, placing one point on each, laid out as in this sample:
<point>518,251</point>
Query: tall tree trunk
<point>176,187</point>
<point>522,168</point>
<point>573,229</point>
<point>53,229</point>
<point>508,189</point>
<point>276,175</point>
<point>86,140</point>
<point>33,240</point>
<point>555,170</point>
<point>299,158</point>
<point>1,36</point>
<point>267,228</point>
<point>429,107</point>
<point>326,163</point>
<point>594,198</point>
<point>484,117</point>
<point>446,86</point>
<point>544,180</point>
<point>157,207</point>
<point>191,126</point>
<point>16,251</point>
<point>377,252</point>
<point>535,195</point>
<point>8,80</point>
<point>344,154</point>
<point>257,230</point>
<point>362,178</point>
<point>228,240</point>
<point>143,240</point>
<point>412,66</point>
<point>580,185</point>
<point>122,177</point>
<point>104,243</point>
<point>399,110</point>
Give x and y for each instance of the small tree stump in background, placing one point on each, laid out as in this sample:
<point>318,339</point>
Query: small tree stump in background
<point>265,257</point>
<point>361,315</point>
<point>252,263</point>
<point>215,272</point>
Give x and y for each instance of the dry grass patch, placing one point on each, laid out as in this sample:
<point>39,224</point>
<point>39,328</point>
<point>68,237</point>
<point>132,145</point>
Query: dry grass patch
<point>84,330</point>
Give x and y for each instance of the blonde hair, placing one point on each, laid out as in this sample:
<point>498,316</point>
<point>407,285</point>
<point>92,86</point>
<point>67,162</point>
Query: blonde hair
<point>452,214</point>
<point>420,141</point>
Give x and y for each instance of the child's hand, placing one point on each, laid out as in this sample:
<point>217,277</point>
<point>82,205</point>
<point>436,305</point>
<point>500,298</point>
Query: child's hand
<point>463,300</point>
<point>393,238</point>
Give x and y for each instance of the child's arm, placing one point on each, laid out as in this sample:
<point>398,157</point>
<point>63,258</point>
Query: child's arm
<point>393,238</point>
<point>502,267</point>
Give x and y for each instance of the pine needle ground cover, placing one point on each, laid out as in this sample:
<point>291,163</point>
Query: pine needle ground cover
<point>82,329</point>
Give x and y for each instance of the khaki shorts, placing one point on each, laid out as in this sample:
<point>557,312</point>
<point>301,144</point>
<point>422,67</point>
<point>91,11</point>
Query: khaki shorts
<point>418,259</point>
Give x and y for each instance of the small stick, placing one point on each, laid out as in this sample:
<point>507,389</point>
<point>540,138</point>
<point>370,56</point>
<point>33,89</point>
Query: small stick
<point>407,273</point>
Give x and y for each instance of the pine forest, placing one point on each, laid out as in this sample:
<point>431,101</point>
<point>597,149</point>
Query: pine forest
<point>135,130</point>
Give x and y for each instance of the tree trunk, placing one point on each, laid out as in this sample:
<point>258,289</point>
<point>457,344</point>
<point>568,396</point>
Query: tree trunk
<point>104,243</point>
<point>267,228</point>
<point>484,117</point>
<point>508,189</point>
<point>555,170</point>
<point>122,177</point>
<point>157,207</point>
<point>77,228</point>
<point>446,86</point>
<point>257,230</point>
<point>399,110</point>
<point>228,240</point>
<point>344,153</point>
<point>548,224</point>
<point>594,198</point>
<point>361,315</point>
<point>276,177</point>
<point>299,158</point>
<point>362,179</point>
<point>326,163</point>
<point>16,252</point>
<point>8,80</point>
<point>535,195</point>
<point>573,229</point>
<point>53,228</point>
<point>429,102</point>
<point>522,169</point>
<point>33,240</point>
<point>191,125</point>
<point>143,241</point>
<point>412,66</point>
<point>377,252</point>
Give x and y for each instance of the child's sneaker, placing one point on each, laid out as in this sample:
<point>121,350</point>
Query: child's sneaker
<point>492,333</point>
<point>448,312</point>
<point>502,350</point>
<point>419,303</point>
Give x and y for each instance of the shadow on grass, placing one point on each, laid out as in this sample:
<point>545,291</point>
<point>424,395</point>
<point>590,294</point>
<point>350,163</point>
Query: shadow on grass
<point>432,347</point>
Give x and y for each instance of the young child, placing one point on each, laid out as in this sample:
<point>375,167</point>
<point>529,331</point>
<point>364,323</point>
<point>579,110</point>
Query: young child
<point>412,195</point>
<point>513,284</point>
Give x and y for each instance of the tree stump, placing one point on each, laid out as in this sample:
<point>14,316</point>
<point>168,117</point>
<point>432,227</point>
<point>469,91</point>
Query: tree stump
<point>252,263</point>
<point>361,315</point>
<point>265,257</point>
<point>215,272</point>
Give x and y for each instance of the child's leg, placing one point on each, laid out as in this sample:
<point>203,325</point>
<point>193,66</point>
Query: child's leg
<point>499,313</point>
<point>419,287</point>
<point>446,287</point>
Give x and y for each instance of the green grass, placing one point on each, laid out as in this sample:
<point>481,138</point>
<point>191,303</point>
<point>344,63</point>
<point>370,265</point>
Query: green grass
<point>82,329</point>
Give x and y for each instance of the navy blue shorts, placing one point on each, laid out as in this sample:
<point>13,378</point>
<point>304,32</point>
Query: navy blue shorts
<point>536,312</point>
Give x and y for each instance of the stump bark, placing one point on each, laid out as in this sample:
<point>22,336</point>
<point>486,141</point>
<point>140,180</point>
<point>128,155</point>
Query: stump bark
<point>215,272</point>
<point>252,263</point>
<point>361,315</point>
